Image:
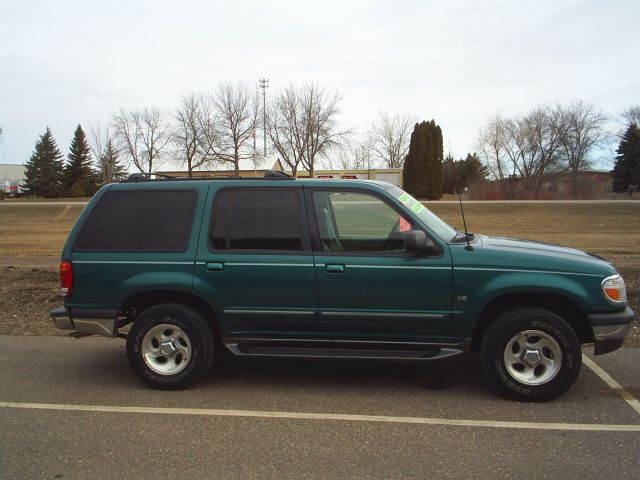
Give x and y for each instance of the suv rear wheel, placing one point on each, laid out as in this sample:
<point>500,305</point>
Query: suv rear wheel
<point>170,346</point>
<point>531,354</point>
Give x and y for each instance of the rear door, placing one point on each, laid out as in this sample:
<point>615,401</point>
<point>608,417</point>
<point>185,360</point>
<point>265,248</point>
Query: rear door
<point>369,287</point>
<point>255,264</point>
<point>139,237</point>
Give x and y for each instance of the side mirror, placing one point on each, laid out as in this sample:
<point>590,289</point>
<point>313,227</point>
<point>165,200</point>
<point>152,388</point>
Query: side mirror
<point>417,241</point>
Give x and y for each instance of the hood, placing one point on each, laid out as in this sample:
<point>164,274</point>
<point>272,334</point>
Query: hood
<point>535,246</point>
<point>516,253</point>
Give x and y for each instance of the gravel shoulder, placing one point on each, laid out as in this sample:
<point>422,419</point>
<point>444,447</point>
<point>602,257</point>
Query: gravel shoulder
<point>27,294</point>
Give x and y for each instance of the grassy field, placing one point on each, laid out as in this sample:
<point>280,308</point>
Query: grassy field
<point>32,236</point>
<point>35,230</point>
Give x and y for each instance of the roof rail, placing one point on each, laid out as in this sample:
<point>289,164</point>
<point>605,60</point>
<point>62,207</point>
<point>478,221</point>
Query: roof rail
<point>139,176</point>
<point>159,177</point>
<point>274,175</point>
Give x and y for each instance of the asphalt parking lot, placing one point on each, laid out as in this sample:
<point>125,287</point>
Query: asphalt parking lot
<point>73,409</point>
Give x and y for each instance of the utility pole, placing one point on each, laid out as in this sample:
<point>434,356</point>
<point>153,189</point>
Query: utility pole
<point>264,84</point>
<point>4,154</point>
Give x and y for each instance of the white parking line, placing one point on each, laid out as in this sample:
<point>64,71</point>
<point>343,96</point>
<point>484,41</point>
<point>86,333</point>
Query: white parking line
<point>454,422</point>
<point>627,397</point>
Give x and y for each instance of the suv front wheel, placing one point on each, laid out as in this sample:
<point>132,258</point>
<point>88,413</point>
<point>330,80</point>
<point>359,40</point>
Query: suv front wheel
<point>170,346</point>
<point>531,354</point>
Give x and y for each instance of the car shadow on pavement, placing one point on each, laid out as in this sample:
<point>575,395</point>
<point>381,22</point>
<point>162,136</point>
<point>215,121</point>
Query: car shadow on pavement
<point>460,371</point>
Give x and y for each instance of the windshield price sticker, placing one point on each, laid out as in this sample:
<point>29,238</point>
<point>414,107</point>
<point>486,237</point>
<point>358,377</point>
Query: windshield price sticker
<point>411,202</point>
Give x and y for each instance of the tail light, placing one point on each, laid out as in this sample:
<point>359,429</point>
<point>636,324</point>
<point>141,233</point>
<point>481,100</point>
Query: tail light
<point>66,278</point>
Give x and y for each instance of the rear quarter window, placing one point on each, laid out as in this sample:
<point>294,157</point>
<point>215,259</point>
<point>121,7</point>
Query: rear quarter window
<point>140,221</point>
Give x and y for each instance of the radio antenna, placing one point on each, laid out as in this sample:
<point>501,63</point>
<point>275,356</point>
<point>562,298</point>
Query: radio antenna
<point>464,222</point>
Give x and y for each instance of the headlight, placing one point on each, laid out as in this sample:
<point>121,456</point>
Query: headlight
<point>614,289</point>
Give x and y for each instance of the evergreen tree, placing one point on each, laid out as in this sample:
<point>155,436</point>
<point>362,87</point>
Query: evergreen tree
<point>409,168</point>
<point>110,167</point>
<point>43,173</point>
<point>451,175</point>
<point>474,170</point>
<point>626,171</point>
<point>458,174</point>
<point>79,176</point>
<point>422,175</point>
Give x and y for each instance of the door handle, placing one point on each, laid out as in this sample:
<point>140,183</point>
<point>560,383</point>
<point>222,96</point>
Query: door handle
<point>214,266</point>
<point>334,268</point>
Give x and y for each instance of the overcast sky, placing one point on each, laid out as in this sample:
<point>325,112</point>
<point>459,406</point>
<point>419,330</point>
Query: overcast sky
<point>459,62</point>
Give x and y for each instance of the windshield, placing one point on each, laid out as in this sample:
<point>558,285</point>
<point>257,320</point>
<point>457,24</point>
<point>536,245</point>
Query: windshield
<point>431,220</point>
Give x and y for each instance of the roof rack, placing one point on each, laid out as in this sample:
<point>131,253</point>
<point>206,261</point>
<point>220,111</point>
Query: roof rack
<point>149,177</point>
<point>136,177</point>
<point>276,175</point>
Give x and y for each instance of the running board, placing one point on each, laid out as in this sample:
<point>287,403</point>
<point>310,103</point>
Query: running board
<point>244,350</point>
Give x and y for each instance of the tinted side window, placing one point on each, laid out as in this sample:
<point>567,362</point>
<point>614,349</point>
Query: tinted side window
<point>256,220</point>
<point>222,219</point>
<point>140,221</point>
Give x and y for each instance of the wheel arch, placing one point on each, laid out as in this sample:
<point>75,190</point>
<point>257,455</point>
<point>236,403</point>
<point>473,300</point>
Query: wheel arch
<point>562,306</point>
<point>138,302</point>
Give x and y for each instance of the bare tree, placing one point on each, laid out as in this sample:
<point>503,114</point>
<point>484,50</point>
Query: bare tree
<point>492,147</point>
<point>284,128</point>
<point>583,130</point>
<point>228,122</point>
<point>101,141</point>
<point>546,139</point>
<point>303,125</point>
<point>545,128</point>
<point>632,115</point>
<point>530,145</point>
<point>389,137</point>
<point>188,136</point>
<point>354,157</point>
<point>362,157</point>
<point>142,136</point>
<point>99,135</point>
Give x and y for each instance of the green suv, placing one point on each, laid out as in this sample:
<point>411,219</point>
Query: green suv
<point>275,266</point>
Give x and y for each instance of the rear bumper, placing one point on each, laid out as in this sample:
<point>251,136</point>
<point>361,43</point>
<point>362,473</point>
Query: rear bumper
<point>89,322</point>
<point>610,329</point>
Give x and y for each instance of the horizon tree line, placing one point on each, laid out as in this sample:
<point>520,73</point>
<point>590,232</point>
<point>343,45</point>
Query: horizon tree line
<point>218,131</point>
<point>548,139</point>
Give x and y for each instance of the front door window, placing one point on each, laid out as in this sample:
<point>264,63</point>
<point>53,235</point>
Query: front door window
<point>358,222</point>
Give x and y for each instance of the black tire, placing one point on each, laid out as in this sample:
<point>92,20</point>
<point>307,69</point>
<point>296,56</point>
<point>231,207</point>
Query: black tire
<point>193,334</point>
<point>509,330</point>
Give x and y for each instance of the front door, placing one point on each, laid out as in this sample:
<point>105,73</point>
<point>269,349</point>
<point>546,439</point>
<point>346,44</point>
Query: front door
<point>369,287</point>
<point>255,263</point>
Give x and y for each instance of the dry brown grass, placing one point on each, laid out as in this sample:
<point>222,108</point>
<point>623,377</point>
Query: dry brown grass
<point>35,230</point>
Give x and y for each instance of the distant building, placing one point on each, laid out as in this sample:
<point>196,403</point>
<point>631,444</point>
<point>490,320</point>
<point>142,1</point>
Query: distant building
<point>589,184</point>
<point>11,179</point>
<point>391,175</point>
<point>246,170</point>
<point>586,185</point>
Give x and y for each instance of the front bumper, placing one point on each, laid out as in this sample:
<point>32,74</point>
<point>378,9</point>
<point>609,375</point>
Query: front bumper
<point>88,322</point>
<point>610,329</point>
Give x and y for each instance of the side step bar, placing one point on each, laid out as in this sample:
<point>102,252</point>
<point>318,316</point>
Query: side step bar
<point>245,350</point>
